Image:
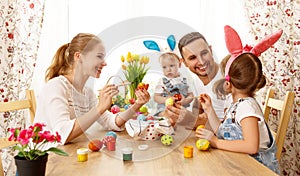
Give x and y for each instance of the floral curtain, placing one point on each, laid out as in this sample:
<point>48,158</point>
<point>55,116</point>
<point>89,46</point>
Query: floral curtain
<point>20,29</point>
<point>281,65</point>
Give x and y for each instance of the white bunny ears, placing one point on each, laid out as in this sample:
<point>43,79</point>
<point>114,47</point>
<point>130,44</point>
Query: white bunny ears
<point>235,47</point>
<point>152,45</point>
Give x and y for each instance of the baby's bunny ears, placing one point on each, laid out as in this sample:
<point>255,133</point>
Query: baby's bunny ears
<point>235,47</point>
<point>152,45</point>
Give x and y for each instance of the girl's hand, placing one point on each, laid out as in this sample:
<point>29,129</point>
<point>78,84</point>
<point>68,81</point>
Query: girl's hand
<point>105,97</point>
<point>203,133</point>
<point>205,102</point>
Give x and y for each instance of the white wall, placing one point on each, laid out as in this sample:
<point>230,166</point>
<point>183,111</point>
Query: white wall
<point>65,18</point>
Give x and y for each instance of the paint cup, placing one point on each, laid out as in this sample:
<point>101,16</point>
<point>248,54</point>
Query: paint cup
<point>82,154</point>
<point>111,145</point>
<point>188,151</point>
<point>127,154</point>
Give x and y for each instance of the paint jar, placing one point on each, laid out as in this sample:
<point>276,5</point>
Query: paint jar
<point>127,154</point>
<point>188,151</point>
<point>82,154</point>
<point>111,145</point>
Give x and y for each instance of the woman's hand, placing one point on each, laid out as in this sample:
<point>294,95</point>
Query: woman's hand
<point>105,97</point>
<point>143,96</point>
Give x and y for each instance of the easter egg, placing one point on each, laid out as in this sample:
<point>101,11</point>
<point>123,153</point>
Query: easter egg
<point>95,145</point>
<point>126,106</point>
<point>122,109</point>
<point>166,139</point>
<point>200,126</point>
<point>115,109</point>
<point>142,86</point>
<point>169,102</point>
<point>111,133</point>
<point>150,118</point>
<point>177,97</point>
<point>143,109</point>
<point>131,100</point>
<point>203,144</point>
<point>141,117</point>
<point>107,139</point>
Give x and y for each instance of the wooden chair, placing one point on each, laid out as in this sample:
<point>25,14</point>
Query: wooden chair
<point>285,107</point>
<point>30,104</point>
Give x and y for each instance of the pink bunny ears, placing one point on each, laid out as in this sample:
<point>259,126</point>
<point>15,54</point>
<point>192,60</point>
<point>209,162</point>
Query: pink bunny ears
<point>235,47</point>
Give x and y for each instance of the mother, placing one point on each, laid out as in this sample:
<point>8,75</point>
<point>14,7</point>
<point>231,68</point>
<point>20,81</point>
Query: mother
<point>66,105</point>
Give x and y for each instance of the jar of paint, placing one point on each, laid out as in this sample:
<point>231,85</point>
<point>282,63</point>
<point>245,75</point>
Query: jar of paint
<point>127,154</point>
<point>82,154</point>
<point>188,151</point>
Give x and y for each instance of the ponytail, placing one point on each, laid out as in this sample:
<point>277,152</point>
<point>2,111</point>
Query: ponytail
<point>61,63</point>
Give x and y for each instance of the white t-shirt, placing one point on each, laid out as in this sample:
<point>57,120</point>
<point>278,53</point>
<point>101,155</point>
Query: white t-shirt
<point>250,107</point>
<point>59,104</point>
<point>200,88</point>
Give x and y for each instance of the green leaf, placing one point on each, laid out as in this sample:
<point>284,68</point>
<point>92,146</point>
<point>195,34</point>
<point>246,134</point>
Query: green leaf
<point>57,151</point>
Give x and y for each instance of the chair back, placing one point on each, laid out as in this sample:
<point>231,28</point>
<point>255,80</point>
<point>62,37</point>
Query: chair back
<point>30,104</point>
<point>285,107</point>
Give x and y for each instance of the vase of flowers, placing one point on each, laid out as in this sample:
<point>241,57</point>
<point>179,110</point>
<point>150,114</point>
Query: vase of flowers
<point>134,70</point>
<point>32,149</point>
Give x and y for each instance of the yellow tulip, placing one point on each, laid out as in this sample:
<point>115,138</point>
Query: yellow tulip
<point>128,55</point>
<point>146,60</point>
<point>122,58</point>
<point>124,67</point>
<point>142,60</point>
<point>136,57</point>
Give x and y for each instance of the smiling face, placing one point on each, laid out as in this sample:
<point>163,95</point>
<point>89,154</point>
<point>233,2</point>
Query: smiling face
<point>197,56</point>
<point>93,61</point>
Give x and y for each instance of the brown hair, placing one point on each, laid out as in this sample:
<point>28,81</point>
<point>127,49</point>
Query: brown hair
<point>188,38</point>
<point>63,59</point>
<point>168,54</point>
<point>246,73</point>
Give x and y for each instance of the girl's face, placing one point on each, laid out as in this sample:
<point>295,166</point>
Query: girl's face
<point>93,61</point>
<point>170,67</point>
<point>198,58</point>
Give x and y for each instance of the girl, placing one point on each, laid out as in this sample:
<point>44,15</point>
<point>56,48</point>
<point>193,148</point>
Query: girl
<point>66,105</point>
<point>243,129</point>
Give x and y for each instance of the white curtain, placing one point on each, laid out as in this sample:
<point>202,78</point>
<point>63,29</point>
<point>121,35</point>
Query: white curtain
<point>62,22</point>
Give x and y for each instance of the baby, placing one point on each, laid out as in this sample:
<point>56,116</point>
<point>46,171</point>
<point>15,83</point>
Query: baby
<point>172,83</point>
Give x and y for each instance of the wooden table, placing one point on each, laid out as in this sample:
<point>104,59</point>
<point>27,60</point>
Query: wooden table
<point>156,160</point>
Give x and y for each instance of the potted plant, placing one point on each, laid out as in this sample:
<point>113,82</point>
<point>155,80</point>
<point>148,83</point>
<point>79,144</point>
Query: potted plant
<point>33,148</point>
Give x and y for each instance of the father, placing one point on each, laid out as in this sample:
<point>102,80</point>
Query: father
<point>197,55</point>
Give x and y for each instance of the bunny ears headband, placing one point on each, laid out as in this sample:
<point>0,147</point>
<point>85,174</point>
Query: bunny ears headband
<point>235,47</point>
<point>152,45</point>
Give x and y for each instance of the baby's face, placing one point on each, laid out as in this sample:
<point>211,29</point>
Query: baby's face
<point>170,67</point>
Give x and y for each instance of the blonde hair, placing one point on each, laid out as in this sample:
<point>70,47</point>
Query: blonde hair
<point>218,87</point>
<point>167,55</point>
<point>63,60</point>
